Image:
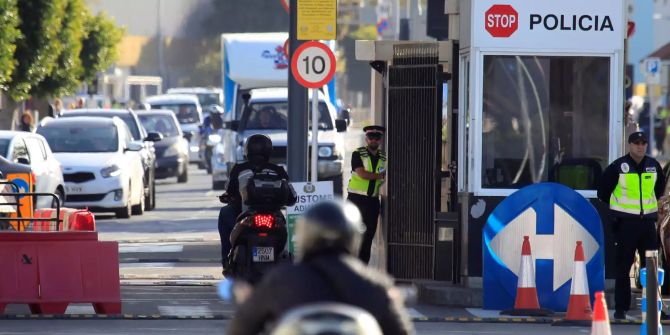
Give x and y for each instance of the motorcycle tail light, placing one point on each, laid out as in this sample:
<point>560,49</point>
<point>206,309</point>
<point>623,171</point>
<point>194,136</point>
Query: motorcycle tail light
<point>264,221</point>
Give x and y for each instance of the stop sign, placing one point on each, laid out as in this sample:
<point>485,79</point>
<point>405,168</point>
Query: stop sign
<point>501,20</point>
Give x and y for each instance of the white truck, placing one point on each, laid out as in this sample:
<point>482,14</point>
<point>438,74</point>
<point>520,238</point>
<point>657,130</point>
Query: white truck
<point>255,67</point>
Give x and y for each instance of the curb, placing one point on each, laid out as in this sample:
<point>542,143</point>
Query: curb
<point>136,282</point>
<point>228,317</point>
<point>165,240</point>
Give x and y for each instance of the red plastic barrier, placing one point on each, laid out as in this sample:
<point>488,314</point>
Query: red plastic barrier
<point>72,219</point>
<point>49,271</point>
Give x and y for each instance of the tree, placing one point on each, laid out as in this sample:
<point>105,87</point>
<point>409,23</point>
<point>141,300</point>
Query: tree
<point>100,46</point>
<point>64,78</point>
<point>38,49</point>
<point>9,25</point>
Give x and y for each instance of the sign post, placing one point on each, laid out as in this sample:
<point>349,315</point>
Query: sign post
<point>313,66</point>
<point>652,69</point>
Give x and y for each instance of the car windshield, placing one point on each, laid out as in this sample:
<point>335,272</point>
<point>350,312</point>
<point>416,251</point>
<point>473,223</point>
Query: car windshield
<point>4,147</point>
<point>159,124</point>
<point>207,99</point>
<point>186,113</point>
<point>273,115</point>
<point>81,139</point>
<point>126,118</point>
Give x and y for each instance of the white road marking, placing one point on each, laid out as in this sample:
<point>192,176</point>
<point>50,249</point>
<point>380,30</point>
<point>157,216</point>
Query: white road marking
<point>151,248</point>
<point>185,310</point>
<point>414,314</point>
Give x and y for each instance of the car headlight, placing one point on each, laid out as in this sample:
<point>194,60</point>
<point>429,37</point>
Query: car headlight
<point>325,151</point>
<point>172,150</point>
<point>214,138</point>
<point>111,171</point>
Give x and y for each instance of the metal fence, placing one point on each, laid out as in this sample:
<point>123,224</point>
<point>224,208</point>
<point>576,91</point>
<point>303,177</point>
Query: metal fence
<point>413,120</point>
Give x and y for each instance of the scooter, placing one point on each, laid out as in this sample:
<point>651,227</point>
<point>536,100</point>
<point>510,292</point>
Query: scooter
<point>259,237</point>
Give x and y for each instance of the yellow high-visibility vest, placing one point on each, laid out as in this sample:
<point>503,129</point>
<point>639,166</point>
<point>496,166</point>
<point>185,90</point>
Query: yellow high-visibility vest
<point>357,184</point>
<point>634,194</point>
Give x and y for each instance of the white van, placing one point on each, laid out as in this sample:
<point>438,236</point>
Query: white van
<point>186,108</point>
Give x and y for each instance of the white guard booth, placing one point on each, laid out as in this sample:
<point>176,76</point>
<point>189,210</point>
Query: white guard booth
<point>540,99</point>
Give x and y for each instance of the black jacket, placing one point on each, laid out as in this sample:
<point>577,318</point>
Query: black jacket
<point>233,187</point>
<point>336,278</point>
<point>610,180</point>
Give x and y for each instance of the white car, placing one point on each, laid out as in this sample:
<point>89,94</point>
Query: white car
<point>206,95</point>
<point>101,163</point>
<point>189,114</point>
<point>33,150</point>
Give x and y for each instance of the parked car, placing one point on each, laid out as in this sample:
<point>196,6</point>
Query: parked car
<point>101,163</point>
<point>189,114</point>
<point>33,150</point>
<point>140,135</point>
<point>172,150</point>
<point>267,113</point>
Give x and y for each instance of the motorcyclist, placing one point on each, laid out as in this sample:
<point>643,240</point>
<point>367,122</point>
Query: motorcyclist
<point>328,270</point>
<point>257,150</point>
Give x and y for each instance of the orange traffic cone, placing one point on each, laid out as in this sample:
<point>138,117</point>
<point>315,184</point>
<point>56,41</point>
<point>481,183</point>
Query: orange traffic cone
<point>579,305</point>
<point>526,302</point>
<point>601,320</point>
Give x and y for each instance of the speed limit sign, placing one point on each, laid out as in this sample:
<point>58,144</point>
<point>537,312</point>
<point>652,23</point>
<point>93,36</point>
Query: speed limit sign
<point>313,64</point>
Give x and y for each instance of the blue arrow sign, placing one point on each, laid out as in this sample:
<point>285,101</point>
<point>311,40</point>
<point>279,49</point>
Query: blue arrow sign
<point>555,217</point>
<point>653,65</point>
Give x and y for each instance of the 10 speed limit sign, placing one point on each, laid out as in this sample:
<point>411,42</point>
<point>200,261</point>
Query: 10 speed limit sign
<point>313,64</point>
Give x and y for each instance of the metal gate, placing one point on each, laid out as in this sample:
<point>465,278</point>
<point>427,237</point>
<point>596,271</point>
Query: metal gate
<point>413,128</point>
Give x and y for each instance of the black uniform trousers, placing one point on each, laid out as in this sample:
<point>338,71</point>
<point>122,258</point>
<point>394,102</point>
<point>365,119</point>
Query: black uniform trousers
<point>631,234</point>
<point>369,207</point>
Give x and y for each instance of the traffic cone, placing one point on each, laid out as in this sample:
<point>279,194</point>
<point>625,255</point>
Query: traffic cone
<point>526,302</point>
<point>579,306</point>
<point>601,320</point>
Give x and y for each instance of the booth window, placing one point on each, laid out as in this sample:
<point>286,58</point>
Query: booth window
<point>545,118</point>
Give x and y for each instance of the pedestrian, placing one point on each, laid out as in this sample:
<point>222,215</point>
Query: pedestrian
<point>327,237</point>
<point>368,166</point>
<point>632,185</point>
<point>81,103</point>
<point>26,122</point>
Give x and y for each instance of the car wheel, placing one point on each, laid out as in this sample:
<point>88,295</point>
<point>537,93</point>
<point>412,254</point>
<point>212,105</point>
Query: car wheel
<point>139,208</point>
<point>124,212</point>
<point>183,177</point>
<point>61,199</point>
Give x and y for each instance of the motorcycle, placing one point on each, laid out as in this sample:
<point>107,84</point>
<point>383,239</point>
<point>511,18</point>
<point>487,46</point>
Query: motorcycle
<point>260,233</point>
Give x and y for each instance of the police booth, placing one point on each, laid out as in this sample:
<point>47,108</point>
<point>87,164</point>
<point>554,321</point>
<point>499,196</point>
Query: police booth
<point>540,100</point>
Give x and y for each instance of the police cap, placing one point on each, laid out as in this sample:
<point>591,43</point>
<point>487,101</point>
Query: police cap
<point>637,136</point>
<point>374,128</point>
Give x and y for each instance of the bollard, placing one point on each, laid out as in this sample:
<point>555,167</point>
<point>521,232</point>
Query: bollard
<point>651,280</point>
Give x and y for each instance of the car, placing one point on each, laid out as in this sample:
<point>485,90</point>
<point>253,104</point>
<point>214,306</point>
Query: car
<point>101,163</point>
<point>172,150</point>
<point>267,113</point>
<point>140,135</point>
<point>207,96</point>
<point>33,150</point>
<point>189,114</point>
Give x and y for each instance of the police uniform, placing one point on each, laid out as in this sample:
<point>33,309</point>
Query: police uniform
<point>632,191</point>
<point>364,193</point>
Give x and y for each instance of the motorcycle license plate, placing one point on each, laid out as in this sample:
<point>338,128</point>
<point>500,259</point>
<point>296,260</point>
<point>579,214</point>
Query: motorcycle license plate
<point>264,254</point>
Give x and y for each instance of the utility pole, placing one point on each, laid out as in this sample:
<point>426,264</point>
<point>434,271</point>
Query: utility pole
<point>297,109</point>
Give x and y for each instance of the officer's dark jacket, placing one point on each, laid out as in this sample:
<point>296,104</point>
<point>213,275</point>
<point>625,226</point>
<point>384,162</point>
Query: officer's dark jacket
<point>610,179</point>
<point>337,278</point>
<point>233,187</point>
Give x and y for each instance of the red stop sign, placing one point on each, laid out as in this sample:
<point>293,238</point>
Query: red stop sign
<point>501,20</point>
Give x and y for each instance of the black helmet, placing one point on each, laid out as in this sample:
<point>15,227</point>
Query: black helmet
<point>330,225</point>
<point>258,147</point>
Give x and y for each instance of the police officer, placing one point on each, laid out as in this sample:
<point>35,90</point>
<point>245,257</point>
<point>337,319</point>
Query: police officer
<point>327,240</point>
<point>368,165</point>
<point>631,185</point>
